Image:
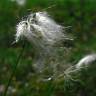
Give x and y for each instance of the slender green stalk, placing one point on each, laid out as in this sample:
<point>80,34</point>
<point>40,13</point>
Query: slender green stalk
<point>14,70</point>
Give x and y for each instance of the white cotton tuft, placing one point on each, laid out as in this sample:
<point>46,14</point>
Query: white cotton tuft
<point>86,61</point>
<point>45,36</point>
<point>21,29</point>
<point>41,27</point>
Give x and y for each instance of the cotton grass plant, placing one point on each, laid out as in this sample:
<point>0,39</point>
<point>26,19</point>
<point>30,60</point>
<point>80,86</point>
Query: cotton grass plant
<point>47,37</point>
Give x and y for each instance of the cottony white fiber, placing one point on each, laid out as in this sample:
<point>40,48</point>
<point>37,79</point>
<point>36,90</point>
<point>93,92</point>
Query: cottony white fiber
<point>86,61</point>
<point>47,38</point>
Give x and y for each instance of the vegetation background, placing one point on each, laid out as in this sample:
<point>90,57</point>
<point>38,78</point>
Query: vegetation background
<point>79,14</point>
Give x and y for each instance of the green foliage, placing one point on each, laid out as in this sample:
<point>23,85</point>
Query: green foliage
<point>81,15</point>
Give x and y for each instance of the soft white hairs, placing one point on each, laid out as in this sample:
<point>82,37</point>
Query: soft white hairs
<point>86,61</point>
<point>41,27</point>
<point>45,34</point>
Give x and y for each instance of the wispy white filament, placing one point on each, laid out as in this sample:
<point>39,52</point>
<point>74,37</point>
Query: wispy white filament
<point>86,61</point>
<point>41,27</point>
<point>45,35</point>
<point>47,38</point>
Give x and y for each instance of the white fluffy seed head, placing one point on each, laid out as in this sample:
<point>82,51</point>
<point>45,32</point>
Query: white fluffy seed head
<point>86,61</point>
<point>41,28</point>
<point>45,35</point>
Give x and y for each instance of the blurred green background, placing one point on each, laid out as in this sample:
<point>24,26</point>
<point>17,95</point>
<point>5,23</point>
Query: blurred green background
<point>79,14</point>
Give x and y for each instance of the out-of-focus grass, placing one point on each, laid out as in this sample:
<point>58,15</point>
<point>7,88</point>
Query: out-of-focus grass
<point>81,15</point>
